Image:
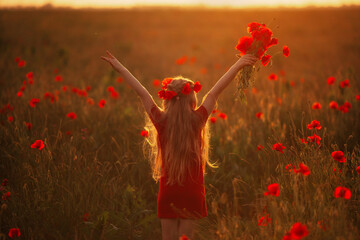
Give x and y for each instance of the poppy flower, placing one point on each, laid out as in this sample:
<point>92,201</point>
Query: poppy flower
<point>265,60</point>
<point>102,103</point>
<point>86,217</point>
<point>314,138</point>
<point>286,51</point>
<point>347,105</point>
<point>184,237</point>
<point>181,60</point>
<point>186,89</point>
<point>260,147</point>
<point>303,140</point>
<point>39,144</point>
<point>358,169</point>
<point>343,109</point>
<point>165,82</point>
<point>19,94</point>
<point>314,124</point>
<point>259,115</point>
<point>11,119</point>
<point>82,93</point>
<point>345,83</point>
<point>273,189</point>
<point>292,83</point>
<point>290,167</point>
<point>169,95</point>
<point>58,78</point>
<point>279,147</point>
<point>264,220</point>
<point>88,88</point>
<point>287,236</point>
<point>333,105</point>
<point>244,44</point>
<point>298,231</point>
<point>6,196</point>
<point>21,63</point>
<point>273,77</point>
<point>161,93</point>
<point>90,101</point>
<point>203,71</point>
<point>144,133</point>
<point>323,224</point>
<point>119,80</point>
<point>253,26</point>
<point>303,169</point>
<point>71,115</point>
<point>342,192</point>
<point>357,97</point>
<point>335,170</point>
<point>50,96</point>
<point>114,94</point>
<point>29,75</point>
<point>197,87</point>
<point>156,83</point>
<point>316,105</point>
<point>14,232</point>
<point>279,100</point>
<point>213,119</point>
<point>110,88</point>
<point>330,80</point>
<point>75,90</point>
<point>64,88</point>
<point>34,101</point>
<point>222,115</point>
<point>274,41</point>
<point>68,133</point>
<point>28,125</point>
<point>4,182</point>
<point>254,90</point>
<point>17,59</point>
<point>338,156</point>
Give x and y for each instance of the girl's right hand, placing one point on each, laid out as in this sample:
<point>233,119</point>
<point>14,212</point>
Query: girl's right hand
<point>113,61</point>
<point>247,60</point>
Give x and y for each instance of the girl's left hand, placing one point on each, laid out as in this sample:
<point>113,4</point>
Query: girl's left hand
<point>113,61</point>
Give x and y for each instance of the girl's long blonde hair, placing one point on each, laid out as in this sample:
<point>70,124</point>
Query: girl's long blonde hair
<point>183,151</point>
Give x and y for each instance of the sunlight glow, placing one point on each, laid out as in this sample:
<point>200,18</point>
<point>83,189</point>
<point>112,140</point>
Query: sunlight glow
<point>176,3</point>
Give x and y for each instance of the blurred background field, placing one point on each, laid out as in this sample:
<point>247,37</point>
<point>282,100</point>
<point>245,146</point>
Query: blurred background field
<point>92,180</point>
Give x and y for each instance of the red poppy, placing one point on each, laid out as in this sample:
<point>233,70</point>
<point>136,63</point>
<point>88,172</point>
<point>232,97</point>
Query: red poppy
<point>265,60</point>
<point>161,94</point>
<point>357,97</point>
<point>11,119</point>
<point>213,119</point>
<point>75,90</point>
<point>203,71</point>
<point>314,138</point>
<point>347,105</point>
<point>333,105</point>
<point>330,80</point>
<point>342,192</point>
<point>184,237</point>
<point>169,95</point>
<point>64,88</point>
<point>222,115</point>
<point>343,109</point>
<point>119,80</point>
<point>68,133</point>
<point>6,196</point>
<point>273,189</point>
<point>29,75</point>
<point>21,63</point>
<point>244,44</point>
<point>14,232</point>
<point>114,94</point>
<point>303,140</point>
<point>181,60</point>
<point>34,101</point>
<point>4,182</point>
<point>156,83</point>
<point>86,217</point>
<point>314,124</point>
<point>49,96</point>
<point>90,101</point>
<point>273,42</point>
<point>144,133</point>
<point>292,83</point>
<point>303,169</point>
<point>358,169</point>
<point>286,51</point>
<point>316,105</point>
<point>28,125</point>
<point>338,156</point>
<point>254,90</point>
<point>197,87</point>
<point>253,26</point>
<point>279,100</point>
<point>279,147</point>
<point>287,236</point>
<point>264,221</point>
<point>273,77</point>
<point>290,167</point>
<point>186,89</point>
<point>39,144</point>
<point>17,59</point>
<point>260,147</point>
<point>88,88</point>
<point>259,115</point>
<point>58,78</point>
<point>335,170</point>
<point>110,89</point>
<point>102,103</point>
<point>71,115</point>
<point>323,224</point>
<point>345,83</point>
<point>298,231</point>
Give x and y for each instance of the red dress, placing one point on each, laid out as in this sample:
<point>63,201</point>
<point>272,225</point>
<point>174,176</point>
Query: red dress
<point>187,200</point>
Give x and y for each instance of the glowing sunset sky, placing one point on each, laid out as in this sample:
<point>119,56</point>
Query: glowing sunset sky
<point>208,3</point>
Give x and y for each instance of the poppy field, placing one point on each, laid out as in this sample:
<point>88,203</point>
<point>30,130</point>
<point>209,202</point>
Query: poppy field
<point>73,134</point>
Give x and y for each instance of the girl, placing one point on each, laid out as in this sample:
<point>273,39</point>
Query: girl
<point>180,152</point>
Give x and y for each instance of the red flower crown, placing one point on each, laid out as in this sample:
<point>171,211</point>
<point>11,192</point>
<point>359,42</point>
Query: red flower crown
<point>168,95</point>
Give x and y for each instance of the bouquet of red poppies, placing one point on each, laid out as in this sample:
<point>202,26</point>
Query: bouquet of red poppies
<point>258,43</point>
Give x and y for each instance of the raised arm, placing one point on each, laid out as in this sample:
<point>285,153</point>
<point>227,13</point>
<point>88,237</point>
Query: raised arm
<point>145,96</point>
<point>223,82</point>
